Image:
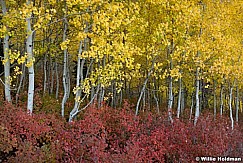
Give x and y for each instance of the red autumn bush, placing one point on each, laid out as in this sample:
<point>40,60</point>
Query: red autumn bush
<point>112,135</point>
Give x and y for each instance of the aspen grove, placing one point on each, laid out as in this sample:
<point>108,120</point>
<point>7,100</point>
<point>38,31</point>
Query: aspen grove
<point>121,80</point>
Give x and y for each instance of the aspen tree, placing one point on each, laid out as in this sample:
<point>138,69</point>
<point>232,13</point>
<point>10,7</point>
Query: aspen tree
<point>79,75</point>
<point>7,90</point>
<point>30,61</point>
<point>179,99</point>
<point>193,47</point>
<point>65,71</point>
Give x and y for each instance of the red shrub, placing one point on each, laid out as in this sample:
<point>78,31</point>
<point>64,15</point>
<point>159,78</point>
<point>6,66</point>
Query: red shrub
<point>112,135</point>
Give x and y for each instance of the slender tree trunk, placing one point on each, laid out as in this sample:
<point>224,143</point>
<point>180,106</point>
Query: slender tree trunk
<point>30,61</point>
<point>156,101</point>
<point>79,78</point>
<point>91,101</point>
<point>214,100</point>
<point>52,76</point>
<point>20,83</point>
<point>170,93</point>
<point>57,78</point>
<point>112,94</point>
<point>155,97</point>
<point>144,99</point>
<point>45,75</point>
<point>144,87</point>
<point>221,99</point>
<point>121,98</point>
<point>49,74</point>
<point>129,90</point>
<point>24,79</point>
<point>170,101</point>
<point>6,58</point>
<point>160,95</point>
<point>90,69</point>
<point>192,104</point>
<point>68,78</point>
<point>230,107</point>
<point>182,99</point>
<point>197,111</point>
<point>65,73</point>
<point>101,97</point>
<point>102,89</point>
<point>113,97</point>
<point>92,93</point>
<point>201,103</point>
<point>179,100</point>
<point>237,105</point>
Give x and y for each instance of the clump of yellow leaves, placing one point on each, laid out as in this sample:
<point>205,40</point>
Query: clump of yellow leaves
<point>64,44</point>
<point>30,62</point>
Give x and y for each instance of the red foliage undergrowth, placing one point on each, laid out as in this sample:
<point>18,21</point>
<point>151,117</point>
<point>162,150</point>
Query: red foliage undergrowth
<point>112,135</point>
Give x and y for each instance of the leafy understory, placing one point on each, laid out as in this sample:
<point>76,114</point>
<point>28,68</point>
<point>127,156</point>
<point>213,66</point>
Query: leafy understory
<point>113,135</point>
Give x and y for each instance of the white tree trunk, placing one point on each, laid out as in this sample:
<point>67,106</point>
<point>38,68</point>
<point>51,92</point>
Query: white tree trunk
<point>170,101</point>
<point>144,86</point>
<point>79,76</point>
<point>6,58</point>
<point>221,100</point>
<point>179,100</point>
<point>170,93</point>
<point>65,77</point>
<point>30,59</point>
<point>182,98</point>
<point>192,104</point>
<point>101,97</point>
<point>197,111</point>
<point>91,101</point>
<point>230,107</point>
<point>57,78</point>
